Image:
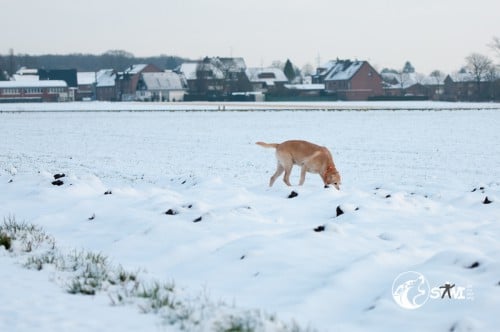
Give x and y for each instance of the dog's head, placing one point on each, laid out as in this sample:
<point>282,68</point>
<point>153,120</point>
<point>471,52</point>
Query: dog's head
<point>332,176</point>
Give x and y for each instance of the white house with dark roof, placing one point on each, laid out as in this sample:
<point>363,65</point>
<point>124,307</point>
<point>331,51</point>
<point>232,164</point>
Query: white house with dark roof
<point>266,79</point>
<point>164,86</point>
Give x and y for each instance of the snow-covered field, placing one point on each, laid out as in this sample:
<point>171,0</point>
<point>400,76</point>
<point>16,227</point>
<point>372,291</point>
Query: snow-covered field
<point>413,189</point>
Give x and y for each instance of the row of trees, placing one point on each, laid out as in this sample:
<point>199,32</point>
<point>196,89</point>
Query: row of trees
<point>115,59</point>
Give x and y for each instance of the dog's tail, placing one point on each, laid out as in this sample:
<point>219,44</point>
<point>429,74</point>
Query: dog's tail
<point>267,145</point>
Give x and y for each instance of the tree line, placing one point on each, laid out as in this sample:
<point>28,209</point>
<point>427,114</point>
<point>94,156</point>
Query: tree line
<point>114,59</point>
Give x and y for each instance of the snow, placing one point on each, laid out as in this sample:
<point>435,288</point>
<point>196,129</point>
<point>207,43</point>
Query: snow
<point>266,75</point>
<point>106,78</point>
<point>412,193</point>
<point>135,69</point>
<point>98,106</point>
<point>33,84</point>
<point>86,78</point>
<point>162,81</point>
<point>188,69</point>
<point>305,86</point>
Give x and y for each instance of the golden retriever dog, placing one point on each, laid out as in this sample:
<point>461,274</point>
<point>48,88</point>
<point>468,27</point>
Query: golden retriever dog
<point>311,157</point>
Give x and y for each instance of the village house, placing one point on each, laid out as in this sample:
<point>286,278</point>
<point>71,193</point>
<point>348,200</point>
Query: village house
<point>462,86</point>
<point>86,85</point>
<point>34,91</point>
<point>165,86</point>
<point>99,85</point>
<point>349,80</point>
<point>126,81</point>
<point>106,85</point>
<point>412,86</point>
<point>305,91</point>
<point>267,80</point>
<point>66,75</point>
<point>215,78</point>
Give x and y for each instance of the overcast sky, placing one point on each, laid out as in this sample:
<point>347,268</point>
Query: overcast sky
<point>431,34</point>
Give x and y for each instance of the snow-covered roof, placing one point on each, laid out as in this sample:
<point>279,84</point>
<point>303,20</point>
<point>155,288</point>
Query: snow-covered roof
<point>340,70</point>
<point>106,77</point>
<point>17,77</point>
<point>305,86</point>
<point>211,68</point>
<point>33,84</point>
<point>135,69</point>
<point>27,71</point>
<point>188,69</point>
<point>216,66</point>
<point>86,78</point>
<point>162,81</point>
<point>465,77</point>
<point>266,75</point>
<point>405,80</point>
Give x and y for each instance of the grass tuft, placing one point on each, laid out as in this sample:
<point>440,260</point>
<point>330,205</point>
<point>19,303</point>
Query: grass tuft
<point>89,273</point>
<point>29,236</point>
<point>5,241</point>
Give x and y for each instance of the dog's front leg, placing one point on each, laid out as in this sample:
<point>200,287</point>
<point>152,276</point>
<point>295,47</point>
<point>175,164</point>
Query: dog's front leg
<point>303,171</point>
<point>286,177</point>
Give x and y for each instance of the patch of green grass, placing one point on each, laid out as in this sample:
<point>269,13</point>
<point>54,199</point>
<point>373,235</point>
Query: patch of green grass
<point>29,236</point>
<point>236,324</point>
<point>88,273</point>
<point>157,296</point>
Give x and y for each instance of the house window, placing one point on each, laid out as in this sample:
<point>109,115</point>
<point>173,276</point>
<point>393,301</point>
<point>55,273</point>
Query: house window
<point>55,90</point>
<point>370,73</point>
<point>11,91</point>
<point>33,91</point>
<point>266,75</point>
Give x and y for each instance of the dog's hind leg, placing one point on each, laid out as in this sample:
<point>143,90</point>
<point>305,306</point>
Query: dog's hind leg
<point>286,177</point>
<point>279,170</point>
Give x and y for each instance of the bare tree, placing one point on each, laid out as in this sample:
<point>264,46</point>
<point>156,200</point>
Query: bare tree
<point>478,66</point>
<point>495,45</point>
<point>438,77</point>
<point>278,64</point>
<point>403,81</point>
<point>491,77</point>
<point>307,69</point>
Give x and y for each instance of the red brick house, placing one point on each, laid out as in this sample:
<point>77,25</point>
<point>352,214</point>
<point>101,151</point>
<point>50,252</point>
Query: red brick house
<point>106,85</point>
<point>86,85</point>
<point>126,82</point>
<point>463,86</point>
<point>349,80</point>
